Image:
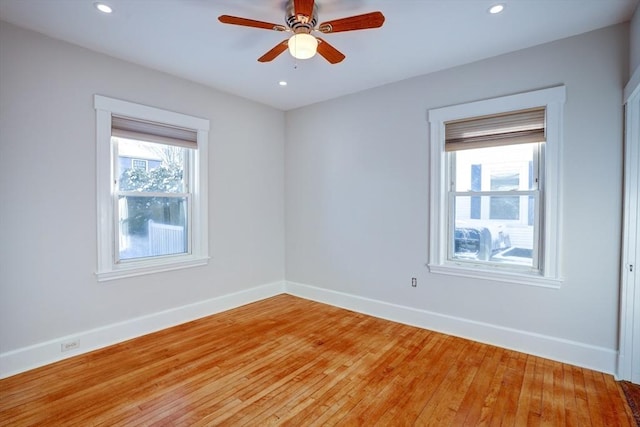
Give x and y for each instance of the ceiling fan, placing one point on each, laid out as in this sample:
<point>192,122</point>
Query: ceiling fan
<point>301,18</point>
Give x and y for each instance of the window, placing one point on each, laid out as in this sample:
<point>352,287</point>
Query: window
<point>152,176</point>
<point>137,163</point>
<point>495,189</point>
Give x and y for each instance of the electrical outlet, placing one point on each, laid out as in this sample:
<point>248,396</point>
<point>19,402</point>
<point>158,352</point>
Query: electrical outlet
<point>69,345</point>
<point>414,282</point>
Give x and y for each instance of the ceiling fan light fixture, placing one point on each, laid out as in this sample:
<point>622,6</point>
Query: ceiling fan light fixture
<point>303,46</point>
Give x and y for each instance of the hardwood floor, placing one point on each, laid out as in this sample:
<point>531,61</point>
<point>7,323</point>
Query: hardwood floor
<point>289,361</point>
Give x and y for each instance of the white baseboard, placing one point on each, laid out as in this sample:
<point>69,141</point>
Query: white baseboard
<point>562,350</point>
<point>572,352</point>
<point>23,359</point>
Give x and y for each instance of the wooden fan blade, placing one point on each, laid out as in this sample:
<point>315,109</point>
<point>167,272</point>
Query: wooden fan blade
<point>303,7</point>
<point>358,22</point>
<point>235,20</point>
<point>273,53</point>
<point>329,52</point>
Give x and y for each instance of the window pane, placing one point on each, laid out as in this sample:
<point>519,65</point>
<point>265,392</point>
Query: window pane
<point>495,168</point>
<point>149,167</point>
<point>151,226</point>
<point>505,207</point>
<point>490,239</point>
<point>505,180</point>
<point>476,185</point>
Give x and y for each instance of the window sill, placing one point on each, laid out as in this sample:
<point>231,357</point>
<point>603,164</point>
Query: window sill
<point>149,267</point>
<point>484,273</point>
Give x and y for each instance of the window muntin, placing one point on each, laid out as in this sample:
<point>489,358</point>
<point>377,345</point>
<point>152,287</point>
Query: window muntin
<point>168,199</point>
<point>547,203</point>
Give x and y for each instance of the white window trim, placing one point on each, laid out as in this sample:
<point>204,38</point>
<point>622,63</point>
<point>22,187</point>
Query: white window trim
<point>550,275</point>
<point>107,268</point>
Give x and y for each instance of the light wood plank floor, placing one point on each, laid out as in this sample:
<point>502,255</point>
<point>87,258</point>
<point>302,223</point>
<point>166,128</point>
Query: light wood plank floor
<point>289,361</point>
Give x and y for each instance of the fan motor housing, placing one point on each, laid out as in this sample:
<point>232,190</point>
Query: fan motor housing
<point>300,23</point>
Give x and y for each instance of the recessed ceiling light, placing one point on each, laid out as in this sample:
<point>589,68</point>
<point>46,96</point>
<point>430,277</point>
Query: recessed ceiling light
<point>497,8</point>
<point>282,83</point>
<point>104,8</point>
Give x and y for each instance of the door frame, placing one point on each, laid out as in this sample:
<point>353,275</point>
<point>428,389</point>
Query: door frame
<point>629,340</point>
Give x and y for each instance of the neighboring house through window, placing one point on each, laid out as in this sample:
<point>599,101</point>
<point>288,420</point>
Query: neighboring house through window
<point>495,188</point>
<point>152,175</point>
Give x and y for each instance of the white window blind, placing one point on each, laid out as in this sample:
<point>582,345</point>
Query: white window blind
<point>517,127</point>
<point>142,130</point>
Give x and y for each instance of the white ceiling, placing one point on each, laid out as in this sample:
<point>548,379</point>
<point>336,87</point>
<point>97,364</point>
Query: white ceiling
<point>184,38</point>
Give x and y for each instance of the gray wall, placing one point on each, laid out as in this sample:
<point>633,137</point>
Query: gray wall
<point>354,171</point>
<point>634,47</point>
<point>357,182</point>
<point>47,182</point>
